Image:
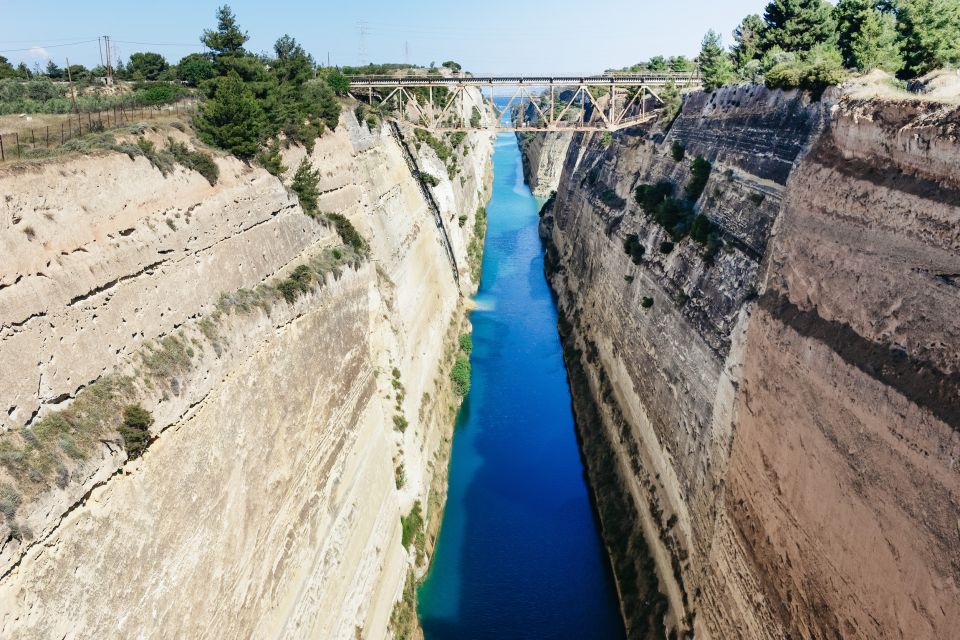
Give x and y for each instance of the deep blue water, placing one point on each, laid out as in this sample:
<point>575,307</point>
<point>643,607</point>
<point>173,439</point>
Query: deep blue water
<point>519,553</point>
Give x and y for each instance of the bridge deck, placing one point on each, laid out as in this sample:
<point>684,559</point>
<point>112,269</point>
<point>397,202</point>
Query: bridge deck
<point>623,80</point>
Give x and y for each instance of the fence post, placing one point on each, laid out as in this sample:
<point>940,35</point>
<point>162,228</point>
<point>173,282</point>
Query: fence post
<point>16,138</point>
<point>61,133</point>
<point>2,155</point>
<point>33,138</point>
<point>48,136</point>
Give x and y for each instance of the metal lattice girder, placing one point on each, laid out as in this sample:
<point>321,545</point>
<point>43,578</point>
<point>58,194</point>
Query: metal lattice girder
<point>611,114</point>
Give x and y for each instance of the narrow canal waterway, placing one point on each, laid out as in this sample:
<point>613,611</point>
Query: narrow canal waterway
<point>519,553</point>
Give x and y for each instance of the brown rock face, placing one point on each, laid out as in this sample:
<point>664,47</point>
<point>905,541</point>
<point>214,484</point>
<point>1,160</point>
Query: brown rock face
<point>783,416</point>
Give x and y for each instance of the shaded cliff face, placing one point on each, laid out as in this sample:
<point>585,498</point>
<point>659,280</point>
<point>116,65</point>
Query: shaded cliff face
<point>778,418</point>
<point>543,158</point>
<point>268,502</point>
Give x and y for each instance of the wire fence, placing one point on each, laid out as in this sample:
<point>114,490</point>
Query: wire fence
<point>24,141</point>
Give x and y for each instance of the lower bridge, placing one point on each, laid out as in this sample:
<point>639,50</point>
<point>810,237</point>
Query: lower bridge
<point>526,103</point>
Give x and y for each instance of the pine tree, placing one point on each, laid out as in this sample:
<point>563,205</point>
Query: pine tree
<point>876,45</point>
<point>304,184</point>
<point>747,37</point>
<point>232,119</point>
<point>930,34</point>
<point>228,39</point>
<point>715,65</point>
<point>798,25</point>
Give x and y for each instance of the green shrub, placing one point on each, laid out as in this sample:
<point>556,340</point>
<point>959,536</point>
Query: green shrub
<point>159,93</point>
<point>271,160</point>
<point>304,184</point>
<point>198,161</point>
<point>466,343</point>
<point>606,138</point>
<point>399,476</point>
<point>443,151</point>
<point>411,524</point>
<point>649,196</point>
<point>666,247</point>
<point>813,71</point>
<point>757,198</point>
<point>646,303</point>
<point>429,179</point>
<point>460,375</point>
<point>633,248</point>
<point>400,423</point>
<point>677,150</point>
<point>296,284</point>
<point>348,233</point>
<point>699,174</point>
<point>160,159</point>
<point>701,228</point>
<point>10,501</point>
<point>135,429</point>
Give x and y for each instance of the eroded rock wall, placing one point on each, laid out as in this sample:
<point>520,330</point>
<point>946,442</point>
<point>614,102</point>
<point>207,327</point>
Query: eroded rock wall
<point>543,158</point>
<point>267,504</point>
<point>778,420</point>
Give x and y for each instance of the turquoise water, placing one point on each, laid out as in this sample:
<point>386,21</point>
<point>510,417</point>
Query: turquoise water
<point>519,553</point>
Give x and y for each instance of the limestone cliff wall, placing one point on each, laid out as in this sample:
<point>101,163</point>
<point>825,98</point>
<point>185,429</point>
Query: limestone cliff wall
<point>543,157</point>
<point>771,431</point>
<point>268,502</point>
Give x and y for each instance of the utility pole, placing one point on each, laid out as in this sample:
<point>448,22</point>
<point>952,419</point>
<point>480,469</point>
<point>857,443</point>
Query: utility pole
<point>73,91</point>
<point>100,49</point>
<point>106,40</point>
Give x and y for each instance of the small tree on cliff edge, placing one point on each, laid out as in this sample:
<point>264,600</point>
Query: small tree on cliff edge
<point>232,119</point>
<point>715,64</point>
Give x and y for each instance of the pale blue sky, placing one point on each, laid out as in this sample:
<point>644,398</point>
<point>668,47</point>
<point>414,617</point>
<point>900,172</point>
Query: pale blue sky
<point>495,36</point>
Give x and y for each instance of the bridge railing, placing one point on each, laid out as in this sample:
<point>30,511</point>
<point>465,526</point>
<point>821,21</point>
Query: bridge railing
<point>624,79</point>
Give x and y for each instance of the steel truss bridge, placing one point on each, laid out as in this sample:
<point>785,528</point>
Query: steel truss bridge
<point>615,100</point>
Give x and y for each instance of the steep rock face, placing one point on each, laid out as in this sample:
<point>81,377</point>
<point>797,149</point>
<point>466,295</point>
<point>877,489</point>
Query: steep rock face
<point>543,157</point>
<point>779,420</point>
<point>268,503</point>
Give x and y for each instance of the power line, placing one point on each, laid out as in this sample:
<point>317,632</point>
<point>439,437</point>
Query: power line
<point>162,44</point>
<point>48,46</point>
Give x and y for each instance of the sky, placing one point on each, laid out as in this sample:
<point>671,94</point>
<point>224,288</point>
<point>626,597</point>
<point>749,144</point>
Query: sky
<point>494,36</point>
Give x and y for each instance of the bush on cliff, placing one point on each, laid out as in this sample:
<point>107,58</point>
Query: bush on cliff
<point>699,174</point>
<point>460,375</point>
<point>197,161</point>
<point>135,429</point>
<point>296,284</point>
<point>232,119</point>
<point>633,248</point>
<point>348,233</point>
<point>304,184</point>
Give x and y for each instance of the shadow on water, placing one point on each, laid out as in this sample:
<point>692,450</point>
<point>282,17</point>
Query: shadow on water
<point>519,553</point>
